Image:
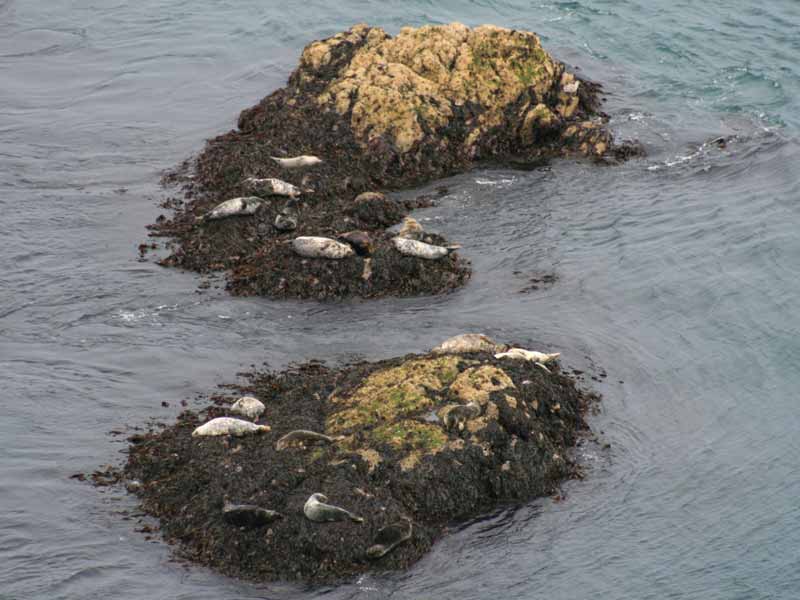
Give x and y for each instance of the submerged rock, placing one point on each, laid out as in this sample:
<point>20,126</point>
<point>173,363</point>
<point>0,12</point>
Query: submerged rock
<point>383,112</point>
<point>366,441</point>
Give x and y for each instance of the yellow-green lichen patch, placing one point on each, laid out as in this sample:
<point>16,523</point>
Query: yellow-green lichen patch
<point>389,394</point>
<point>422,437</point>
<point>402,87</point>
<point>477,384</point>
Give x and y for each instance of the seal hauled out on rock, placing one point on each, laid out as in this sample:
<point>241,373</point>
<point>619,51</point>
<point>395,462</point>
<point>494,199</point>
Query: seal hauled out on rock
<point>410,247</point>
<point>317,510</point>
<point>248,515</point>
<point>456,417</point>
<point>390,537</point>
<point>321,247</point>
<point>360,241</point>
<point>273,187</point>
<point>531,355</point>
<point>469,342</point>
<point>303,437</point>
<point>249,407</point>
<point>228,426</point>
<point>411,229</point>
<point>235,207</point>
<point>297,162</point>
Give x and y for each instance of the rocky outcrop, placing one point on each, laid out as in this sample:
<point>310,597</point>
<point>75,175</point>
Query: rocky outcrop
<point>381,112</point>
<point>423,439</point>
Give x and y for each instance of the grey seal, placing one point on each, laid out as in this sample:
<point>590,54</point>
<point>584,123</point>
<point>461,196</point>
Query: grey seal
<point>303,437</point>
<point>410,247</point>
<point>321,247</point>
<point>235,207</point>
<point>457,417</point>
<point>390,537</point>
<point>469,342</point>
<point>273,187</point>
<point>248,515</point>
<point>249,407</point>
<point>297,162</point>
<point>317,510</point>
<point>229,426</point>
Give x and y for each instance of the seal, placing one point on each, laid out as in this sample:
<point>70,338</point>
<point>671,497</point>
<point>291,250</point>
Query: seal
<point>302,438</point>
<point>317,510</point>
<point>538,358</point>
<point>360,241</point>
<point>235,207</point>
<point>321,247</point>
<point>273,187</point>
<point>455,417</point>
<point>409,247</point>
<point>228,426</point>
<point>297,162</point>
<point>469,342</point>
<point>248,515</point>
<point>531,355</point>
<point>249,407</point>
<point>390,537</point>
<point>411,229</point>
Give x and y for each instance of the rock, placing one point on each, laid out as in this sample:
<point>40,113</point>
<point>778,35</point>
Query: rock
<point>505,435</point>
<point>385,113</point>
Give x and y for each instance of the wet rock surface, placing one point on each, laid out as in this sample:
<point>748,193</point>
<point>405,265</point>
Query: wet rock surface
<point>392,457</point>
<point>381,113</point>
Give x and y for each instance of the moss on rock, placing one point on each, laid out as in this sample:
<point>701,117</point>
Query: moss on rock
<point>392,458</point>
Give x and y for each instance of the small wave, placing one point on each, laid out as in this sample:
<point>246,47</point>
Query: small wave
<point>134,316</point>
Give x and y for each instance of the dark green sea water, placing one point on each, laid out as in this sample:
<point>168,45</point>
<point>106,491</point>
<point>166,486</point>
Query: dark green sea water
<point>678,274</point>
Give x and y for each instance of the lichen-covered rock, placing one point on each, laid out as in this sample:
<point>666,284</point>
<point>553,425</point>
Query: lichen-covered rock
<point>381,112</point>
<point>429,438</point>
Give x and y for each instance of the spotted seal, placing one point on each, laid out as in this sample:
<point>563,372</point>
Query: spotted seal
<point>249,407</point>
<point>390,537</point>
<point>540,359</point>
<point>273,187</point>
<point>455,417</point>
<point>469,342</point>
<point>235,207</point>
<point>317,510</point>
<point>248,515</point>
<point>321,247</point>
<point>409,247</point>
<point>229,426</point>
<point>297,162</point>
<point>302,438</point>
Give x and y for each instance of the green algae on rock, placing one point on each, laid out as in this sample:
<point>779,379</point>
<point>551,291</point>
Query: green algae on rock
<point>382,113</point>
<point>391,457</point>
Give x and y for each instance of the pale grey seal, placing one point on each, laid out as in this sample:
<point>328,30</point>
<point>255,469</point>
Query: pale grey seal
<point>318,511</point>
<point>229,426</point>
<point>410,247</point>
<point>235,207</point>
<point>248,515</point>
<point>531,355</point>
<point>297,161</point>
<point>273,187</point>
<point>390,537</point>
<point>321,247</point>
<point>249,407</point>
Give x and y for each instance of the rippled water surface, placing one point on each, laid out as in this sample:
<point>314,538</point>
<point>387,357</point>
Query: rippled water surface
<point>678,274</point>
